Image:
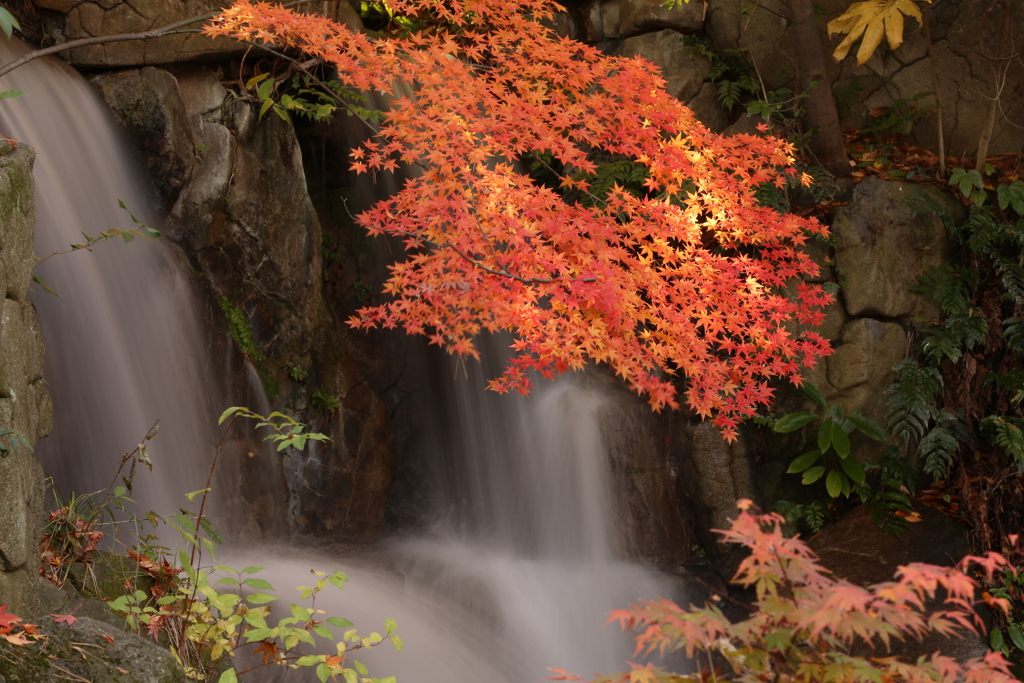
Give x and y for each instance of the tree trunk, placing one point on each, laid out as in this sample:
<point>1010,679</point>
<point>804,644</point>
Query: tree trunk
<point>827,142</point>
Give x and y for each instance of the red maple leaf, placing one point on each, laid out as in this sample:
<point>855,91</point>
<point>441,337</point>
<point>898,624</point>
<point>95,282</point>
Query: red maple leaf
<point>68,619</point>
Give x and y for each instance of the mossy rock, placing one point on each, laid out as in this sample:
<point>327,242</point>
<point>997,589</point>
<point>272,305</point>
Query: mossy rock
<point>88,650</point>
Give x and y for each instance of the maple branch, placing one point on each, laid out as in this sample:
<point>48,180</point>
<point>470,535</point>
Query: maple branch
<point>504,272</point>
<point>170,29</point>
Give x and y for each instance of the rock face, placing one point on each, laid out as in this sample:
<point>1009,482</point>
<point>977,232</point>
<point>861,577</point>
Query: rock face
<point>882,246</point>
<point>648,495</point>
<point>964,72</point>
<point>684,73</point>
<point>714,475</point>
<point>24,401</point>
<point>245,220</point>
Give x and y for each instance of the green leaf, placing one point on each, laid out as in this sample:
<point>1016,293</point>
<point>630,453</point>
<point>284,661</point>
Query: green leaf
<point>995,640</point>
<point>252,570</point>
<point>46,288</point>
<point>260,598</point>
<point>1016,635</point>
<point>228,413</point>
<point>254,80</point>
<point>10,93</point>
<point>267,104</point>
<point>854,469</point>
<point>258,584</point>
<point>7,22</point>
<point>323,672</point>
<point>814,474</point>
<point>389,626</point>
<point>841,442</point>
<point>834,483</point>
<point>825,434</point>
<point>309,660</point>
<point>398,643</point>
<point>867,426</point>
<point>793,422</point>
<point>360,667</point>
<point>192,496</point>
<point>228,676</point>
<point>211,530</point>
<point>804,461</point>
<point>323,631</point>
<point>340,623</point>
<point>814,394</point>
<point>265,89</point>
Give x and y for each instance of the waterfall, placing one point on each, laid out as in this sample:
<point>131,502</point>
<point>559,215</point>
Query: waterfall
<point>517,564</point>
<point>124,346</point>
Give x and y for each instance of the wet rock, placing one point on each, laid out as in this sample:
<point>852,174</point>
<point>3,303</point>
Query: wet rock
<point>714,475</point>
<point>855,549</point>
<point>645,477</point>
<point>882,245</point>
<point>148,105</point>
<point>245,220</point>
<point>684,72</point>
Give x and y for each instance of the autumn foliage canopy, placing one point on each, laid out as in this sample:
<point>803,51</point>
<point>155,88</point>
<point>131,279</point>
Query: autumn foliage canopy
<point>688,276</point>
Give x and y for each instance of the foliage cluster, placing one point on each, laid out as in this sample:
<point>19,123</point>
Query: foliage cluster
<point>209,613</point>
<point>683,278</point>
<point>808,626</point>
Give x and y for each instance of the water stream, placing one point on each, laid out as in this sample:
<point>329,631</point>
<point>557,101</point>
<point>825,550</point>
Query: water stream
<point>516,565</point>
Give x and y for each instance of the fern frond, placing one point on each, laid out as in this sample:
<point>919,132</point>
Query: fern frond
<point>1013,335</point>
<point>1006,433</point>
<point>1013,278</point>
<point>939,446</point>
<point>890,504</point>
<point>968,327</point>
<point>939,343</point>
<point>951,287</point>
<point>911,399</point>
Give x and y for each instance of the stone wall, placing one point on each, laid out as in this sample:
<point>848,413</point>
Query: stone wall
<point>24,401</point>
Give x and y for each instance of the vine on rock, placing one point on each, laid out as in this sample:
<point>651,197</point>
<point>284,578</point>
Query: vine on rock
<point>683,277</point>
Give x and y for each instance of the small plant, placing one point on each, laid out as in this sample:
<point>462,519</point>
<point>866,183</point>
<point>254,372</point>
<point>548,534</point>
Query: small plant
<point>240,330</point>
<point>325,401</point>
<point>75,525</point>
<point>297,371</point>
<point>842,472</point>
<point>970,183</point>
<point>805,625</point>
<point>207,614</point>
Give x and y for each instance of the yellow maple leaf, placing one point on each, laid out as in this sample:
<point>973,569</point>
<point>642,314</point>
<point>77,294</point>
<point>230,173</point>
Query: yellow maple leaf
<point>871,20</point>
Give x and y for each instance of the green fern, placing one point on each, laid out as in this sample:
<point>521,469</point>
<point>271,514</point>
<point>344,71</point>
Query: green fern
<point>892,499</point>
<point>939,446</point>
<point>814,516</point>
<point>1013,335</point>
<point>912,398</point>
<point>949,286</point>
<point>1013,278</point>
<point>1006,433</point>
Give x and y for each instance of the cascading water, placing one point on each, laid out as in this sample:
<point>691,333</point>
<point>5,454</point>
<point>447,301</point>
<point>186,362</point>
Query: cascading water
<point>124,347</point>
<point>517,565</point>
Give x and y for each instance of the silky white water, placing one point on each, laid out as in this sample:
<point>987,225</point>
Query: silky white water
<point>517,562</point>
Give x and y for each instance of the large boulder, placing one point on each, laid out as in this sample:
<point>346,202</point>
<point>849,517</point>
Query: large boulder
<point>78,19</point>
<point>246,222</point>
<point>883,245</point>
<point>25,406</point>
<point>645,479</point>
<point>684,72</point>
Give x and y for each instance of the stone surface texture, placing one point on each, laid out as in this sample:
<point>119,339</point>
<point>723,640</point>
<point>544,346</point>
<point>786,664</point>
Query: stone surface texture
<point>883,245</point>
<point>964,72</point>
<point>684,73</point>
<point>24,401</point>
<point>78,19</point>
<point>245,220</point>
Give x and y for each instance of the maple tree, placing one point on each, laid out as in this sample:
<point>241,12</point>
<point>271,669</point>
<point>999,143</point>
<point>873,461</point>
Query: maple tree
<point>807,626</point>
<point>687,276</point>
